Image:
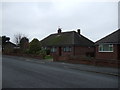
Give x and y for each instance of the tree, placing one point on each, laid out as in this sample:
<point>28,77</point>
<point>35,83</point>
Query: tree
<point>24,44</point>
<point>34,46</point>
<point>18,37</point>
<point>4,40</point>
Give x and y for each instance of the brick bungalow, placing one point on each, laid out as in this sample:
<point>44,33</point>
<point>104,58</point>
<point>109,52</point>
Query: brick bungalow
<point>108,48</point>
<point>64,45</point>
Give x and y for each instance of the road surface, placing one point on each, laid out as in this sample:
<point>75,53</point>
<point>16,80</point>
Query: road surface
<point>25,73</point>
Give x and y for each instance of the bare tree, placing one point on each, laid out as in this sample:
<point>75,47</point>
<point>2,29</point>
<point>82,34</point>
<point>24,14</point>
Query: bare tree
<point>18,37</point>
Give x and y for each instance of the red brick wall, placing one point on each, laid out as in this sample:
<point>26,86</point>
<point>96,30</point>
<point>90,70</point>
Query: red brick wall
<point>89,61</point>
<point>76,51</point>
<point>119,52</point>
<point>81,51</point>
<point>67,53</point>
<point>107,55</point>
<point>60,58</point>
<point>54,53</point>
<point>102,59</point>
<point>62,52</point>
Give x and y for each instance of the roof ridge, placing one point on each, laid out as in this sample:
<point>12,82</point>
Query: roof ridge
<point>108,35</point>
<point>116,33</point>
<point>11,42</point>
<point>66,38</point>
<point>63,32</point>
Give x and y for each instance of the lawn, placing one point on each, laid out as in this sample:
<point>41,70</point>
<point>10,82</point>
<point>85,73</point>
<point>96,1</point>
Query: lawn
<point>48,57</point>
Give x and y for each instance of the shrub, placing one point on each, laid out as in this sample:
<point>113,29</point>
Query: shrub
<point>34,46</point>
<point>43,53</point>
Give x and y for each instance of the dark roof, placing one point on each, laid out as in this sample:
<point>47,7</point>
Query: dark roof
<point>66,38</point>
<point>10,43</point>
<point>113,38</point>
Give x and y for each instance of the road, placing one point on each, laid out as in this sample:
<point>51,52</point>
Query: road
<point>25,73</point>
<point>0,71</point>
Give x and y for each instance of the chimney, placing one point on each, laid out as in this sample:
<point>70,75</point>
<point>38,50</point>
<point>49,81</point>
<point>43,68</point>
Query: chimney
<point>59,30</point>
<point>78,31</point>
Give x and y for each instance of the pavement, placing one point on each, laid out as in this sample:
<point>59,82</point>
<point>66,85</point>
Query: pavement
<point>81,67</point>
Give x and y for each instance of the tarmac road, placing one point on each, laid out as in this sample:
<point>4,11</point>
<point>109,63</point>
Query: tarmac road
<point>20,72</point>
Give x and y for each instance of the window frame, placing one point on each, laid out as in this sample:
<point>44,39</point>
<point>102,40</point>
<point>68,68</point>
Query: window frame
<point>53,50</point>
<point>102,47</point>
<point>67,49</point>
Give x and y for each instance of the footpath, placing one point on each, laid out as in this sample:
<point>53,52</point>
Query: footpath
<point>96,69</point>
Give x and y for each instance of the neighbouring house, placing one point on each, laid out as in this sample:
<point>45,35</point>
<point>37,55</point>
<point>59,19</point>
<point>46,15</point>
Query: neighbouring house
<point>9,47</point>
<point>108,48</point>
<point>64,45</point>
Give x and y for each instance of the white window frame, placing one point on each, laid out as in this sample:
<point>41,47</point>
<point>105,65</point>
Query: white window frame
<point>53,49</point>
<point>102,46</point>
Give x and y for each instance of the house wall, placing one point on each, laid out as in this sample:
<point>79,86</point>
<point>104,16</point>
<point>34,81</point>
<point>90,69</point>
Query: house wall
<point>84,51</point>
<point>107,55</point>
<point>76,51</point>
<point>80,57</point>
<point>57,53</point>
<point>69,53</point>
<point>118,51</point>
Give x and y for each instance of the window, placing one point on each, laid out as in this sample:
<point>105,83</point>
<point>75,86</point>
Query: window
<point>106,48</point>
<point>53,49</point>
<point>67,49</point>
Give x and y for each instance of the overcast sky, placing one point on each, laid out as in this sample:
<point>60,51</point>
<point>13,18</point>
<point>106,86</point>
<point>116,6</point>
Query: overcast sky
<point>40,19</point>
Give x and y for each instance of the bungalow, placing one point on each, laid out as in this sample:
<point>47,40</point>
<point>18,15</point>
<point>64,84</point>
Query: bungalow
<point>66,44</point>
<point>108,48</point>
<point>9,47</point>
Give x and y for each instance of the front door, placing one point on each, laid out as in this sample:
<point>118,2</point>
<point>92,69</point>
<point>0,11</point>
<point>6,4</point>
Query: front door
<point>60,51</point>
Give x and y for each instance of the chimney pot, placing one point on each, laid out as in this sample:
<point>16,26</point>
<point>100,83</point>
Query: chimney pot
<point>78,31</point>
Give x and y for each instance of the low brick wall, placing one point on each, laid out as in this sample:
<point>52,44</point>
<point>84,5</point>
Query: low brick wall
<point>24,55</point>
<point>74,59</point>
<point>87,60</point>
<point>110,63</point>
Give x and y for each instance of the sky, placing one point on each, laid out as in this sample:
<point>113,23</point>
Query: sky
<point>40,19</point>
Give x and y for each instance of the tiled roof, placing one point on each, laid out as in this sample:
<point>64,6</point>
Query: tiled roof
<point>113,38</point>
<point>66,38</point>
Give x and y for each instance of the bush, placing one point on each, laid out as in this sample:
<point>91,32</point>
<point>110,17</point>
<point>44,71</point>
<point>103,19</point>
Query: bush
<point>42,53</point>
<point>34,47</point>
